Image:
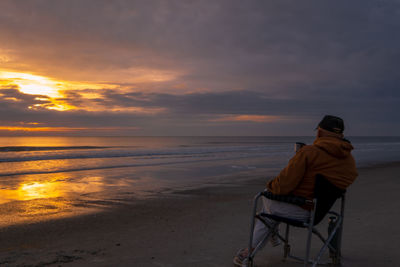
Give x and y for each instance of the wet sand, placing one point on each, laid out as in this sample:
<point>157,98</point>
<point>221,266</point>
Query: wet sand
<point>203,227</point>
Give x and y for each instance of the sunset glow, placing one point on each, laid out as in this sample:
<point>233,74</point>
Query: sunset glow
<point>62,129</point>
<point>40,129</point>
<point>194,69</point>
<point>248,118</point>
<point>38,190</point>
<point>52,90</point>
<point>41,198</point>
<point>31,84</point>
<point>119,110</point>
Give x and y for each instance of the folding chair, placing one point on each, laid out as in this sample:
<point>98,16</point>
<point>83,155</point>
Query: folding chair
<point>325,195</point>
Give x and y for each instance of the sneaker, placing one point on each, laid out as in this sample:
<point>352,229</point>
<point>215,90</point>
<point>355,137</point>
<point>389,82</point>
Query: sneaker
<point>274,240</point>
<point>241,257</point>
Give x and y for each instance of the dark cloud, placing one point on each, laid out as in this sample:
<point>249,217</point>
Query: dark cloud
<point>281,58</point>
<point>11,96</point>
<point>203,113</point>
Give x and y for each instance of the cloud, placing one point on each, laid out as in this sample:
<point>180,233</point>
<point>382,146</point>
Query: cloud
<point>211,113</point>
<point>223,45</point>
<point>199,66</point>
<point>11,96</point>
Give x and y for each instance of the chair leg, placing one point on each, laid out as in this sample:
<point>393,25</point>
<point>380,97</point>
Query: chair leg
<point>336,260</point>
<point>250,263</point>
<point>286,248</point>
<point>339,252</point>
<point>308,246</point>
<point>336,257</point>
<point>310,228</point>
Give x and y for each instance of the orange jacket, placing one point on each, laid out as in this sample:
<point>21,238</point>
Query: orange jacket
<point>328,156</point>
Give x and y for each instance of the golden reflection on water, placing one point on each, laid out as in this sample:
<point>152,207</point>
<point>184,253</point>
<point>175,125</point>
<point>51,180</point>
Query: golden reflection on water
<point>37,190</point>
<point>35,199</point>
<point>28,190</point>
<point>42,191</point>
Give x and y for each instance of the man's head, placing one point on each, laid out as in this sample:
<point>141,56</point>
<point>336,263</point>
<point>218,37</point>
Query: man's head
<point>331,126</point>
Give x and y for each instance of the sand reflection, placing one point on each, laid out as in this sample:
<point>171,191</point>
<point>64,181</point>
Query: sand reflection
<point>32,198</point>
<point>37,190</point>
<point>63,186</point>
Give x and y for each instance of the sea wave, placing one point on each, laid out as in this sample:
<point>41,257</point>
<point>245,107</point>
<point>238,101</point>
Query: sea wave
<point>25,160</point>
<point>121,153</point>
<point>45,148</point>
<point>151,162</point>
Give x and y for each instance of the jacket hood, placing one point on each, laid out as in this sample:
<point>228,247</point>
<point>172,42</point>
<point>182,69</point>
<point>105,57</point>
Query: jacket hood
<point>339,148</point>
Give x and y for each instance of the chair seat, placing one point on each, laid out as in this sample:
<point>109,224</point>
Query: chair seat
<point>277,218</point>
<point>296,200</point>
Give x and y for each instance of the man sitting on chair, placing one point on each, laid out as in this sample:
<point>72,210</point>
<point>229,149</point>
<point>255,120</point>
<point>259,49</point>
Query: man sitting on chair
<point>329,155</point>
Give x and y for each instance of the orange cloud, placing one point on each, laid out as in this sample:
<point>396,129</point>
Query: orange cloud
<point>248,118</point>
<point>61,129</point>
<point>56,94</point>
<point>54,90</point>
<point>40,129</point>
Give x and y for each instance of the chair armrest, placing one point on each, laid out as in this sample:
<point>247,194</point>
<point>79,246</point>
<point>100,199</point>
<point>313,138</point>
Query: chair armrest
<point>287,198</point>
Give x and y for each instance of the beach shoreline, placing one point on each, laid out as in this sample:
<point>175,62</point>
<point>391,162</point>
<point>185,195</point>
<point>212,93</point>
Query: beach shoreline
<point>201,227</point>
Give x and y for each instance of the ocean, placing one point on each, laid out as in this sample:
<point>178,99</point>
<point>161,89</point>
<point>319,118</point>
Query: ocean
<point>49,176</point>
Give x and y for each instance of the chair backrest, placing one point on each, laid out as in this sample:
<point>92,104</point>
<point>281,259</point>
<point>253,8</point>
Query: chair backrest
<point>326,194</point>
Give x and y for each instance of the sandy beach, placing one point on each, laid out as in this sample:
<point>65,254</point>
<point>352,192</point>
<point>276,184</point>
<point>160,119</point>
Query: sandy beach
<point>204,227</point>
<point>137,133</point>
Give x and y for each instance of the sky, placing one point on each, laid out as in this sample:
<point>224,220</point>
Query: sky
<point>137,68</point>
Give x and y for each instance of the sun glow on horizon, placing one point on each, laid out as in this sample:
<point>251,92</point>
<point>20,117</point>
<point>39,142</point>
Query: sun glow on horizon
<point>50,129</point>
<point>36,85</point>
<point>52,90</point>
<point>40,129</point>
<point>31,84</point>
